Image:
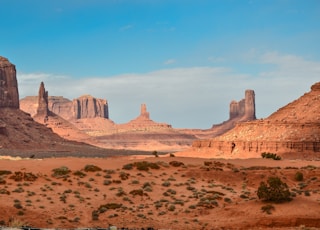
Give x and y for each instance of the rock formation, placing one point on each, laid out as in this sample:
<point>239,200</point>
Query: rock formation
<point>245,109</point>
<point>89,107</point>
<point>42,110</point>
<point>79,108</point>
<point>291,131</point>
<point>9,96</point>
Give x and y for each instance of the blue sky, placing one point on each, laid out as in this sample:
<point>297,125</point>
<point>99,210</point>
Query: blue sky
<point>187,59</point>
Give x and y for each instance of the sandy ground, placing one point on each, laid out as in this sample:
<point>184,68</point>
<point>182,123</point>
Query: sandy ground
<point>218,195</point>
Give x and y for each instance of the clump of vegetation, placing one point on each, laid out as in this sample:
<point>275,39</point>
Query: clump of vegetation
<point>274,190</point>
<point>176,163</point>
<point>270,156</point>
<point>92,168</point>
<point>5,172</point>
<point>268,208</point>
<point>137,192</point>
<point>128,166</point>
<point>155,153</point>
<point>61,172</point>
<point>124,176</point>
<point>79,174</point>
<point>298,176</point>
<point>108,206</point>
<point>145,166</point>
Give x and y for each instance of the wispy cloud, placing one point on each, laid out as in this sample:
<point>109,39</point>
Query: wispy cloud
<point>126,27</point>
<point>187,97</point>
<point>170,61</point>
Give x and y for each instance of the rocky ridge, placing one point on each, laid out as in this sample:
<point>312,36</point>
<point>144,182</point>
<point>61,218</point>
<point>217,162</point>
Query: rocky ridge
<point>293,130</point>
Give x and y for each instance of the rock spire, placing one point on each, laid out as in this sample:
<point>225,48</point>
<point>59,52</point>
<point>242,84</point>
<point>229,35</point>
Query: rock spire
<point>42,101</point>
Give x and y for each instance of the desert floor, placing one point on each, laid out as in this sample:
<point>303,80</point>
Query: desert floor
<point>160,193</point>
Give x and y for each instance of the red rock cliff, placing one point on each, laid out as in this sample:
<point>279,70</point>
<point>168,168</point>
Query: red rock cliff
<point>9,96</point>
<point>293,129</point>
<point>89,107</point>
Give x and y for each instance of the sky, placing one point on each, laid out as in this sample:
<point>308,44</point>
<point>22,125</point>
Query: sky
<point>186,59</point>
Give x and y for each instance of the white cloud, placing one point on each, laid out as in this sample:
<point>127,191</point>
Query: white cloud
<point>170,61</point>
<point>194,97</point>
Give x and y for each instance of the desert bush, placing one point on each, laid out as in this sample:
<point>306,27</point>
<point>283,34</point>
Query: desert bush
<point>124,176</point>
<point>166,184</point>
<point>108,206</point>
<point>270,155</point>
<point>171,208</point>
<point>79,174</point>
<point>5,172</point>
<point>274,190</point>
<point>61,172</point>
<point>92,168</point>
<point>298,176</point>
<point>95,215</point>
<point>155,153</point>
<point>137,192</point>
<point>267,208</point>
<point>176,163</point>
<point>144,165</point>
<point>128,166</point>
<point>4,191</point>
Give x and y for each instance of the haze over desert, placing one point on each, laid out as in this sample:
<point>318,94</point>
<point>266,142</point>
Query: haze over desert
<point>159,115</point>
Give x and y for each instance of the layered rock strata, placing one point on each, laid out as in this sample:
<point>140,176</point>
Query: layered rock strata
<point>9,95</point>
<point>89,107</point>
<point>293,129</point>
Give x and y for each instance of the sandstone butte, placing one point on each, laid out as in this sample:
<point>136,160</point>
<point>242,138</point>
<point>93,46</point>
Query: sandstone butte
<point>86,119</point>
<point>293,130</point>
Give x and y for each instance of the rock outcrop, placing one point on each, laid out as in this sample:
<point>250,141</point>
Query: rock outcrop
<point>79,108</point>
<point>42,110</point>
<point>9,95</point>
<point>245,109</point>
<point>89,107</point>
<point>291,131</point>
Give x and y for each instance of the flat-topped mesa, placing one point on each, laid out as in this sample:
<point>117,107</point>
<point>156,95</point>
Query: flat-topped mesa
<point>89,107</point>
<point>43,109</point>
<point>9,95</point>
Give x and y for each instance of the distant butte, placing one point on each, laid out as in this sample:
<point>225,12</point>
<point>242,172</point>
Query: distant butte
<point>292,131</point>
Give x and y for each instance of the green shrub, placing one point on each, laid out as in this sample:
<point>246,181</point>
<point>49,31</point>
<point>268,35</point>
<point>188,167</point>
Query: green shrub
<point>298,176</point>
<point>267,208</point>
<point>270,155</point>
<point>274,190</point>
<point>92,168</point>
<point>63,171</point>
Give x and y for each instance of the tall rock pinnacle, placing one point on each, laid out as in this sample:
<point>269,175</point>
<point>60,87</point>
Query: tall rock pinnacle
<point>9,95</point>
<point>42,101</point>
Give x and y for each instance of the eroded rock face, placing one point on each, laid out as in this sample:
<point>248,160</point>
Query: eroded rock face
<point>89,107</point>
<point>42,101</point>
<point>9,95</point>
<point>293,129</point>
<point>245,109</point>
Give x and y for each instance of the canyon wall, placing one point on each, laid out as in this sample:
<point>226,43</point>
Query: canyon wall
<point>9,95</point>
